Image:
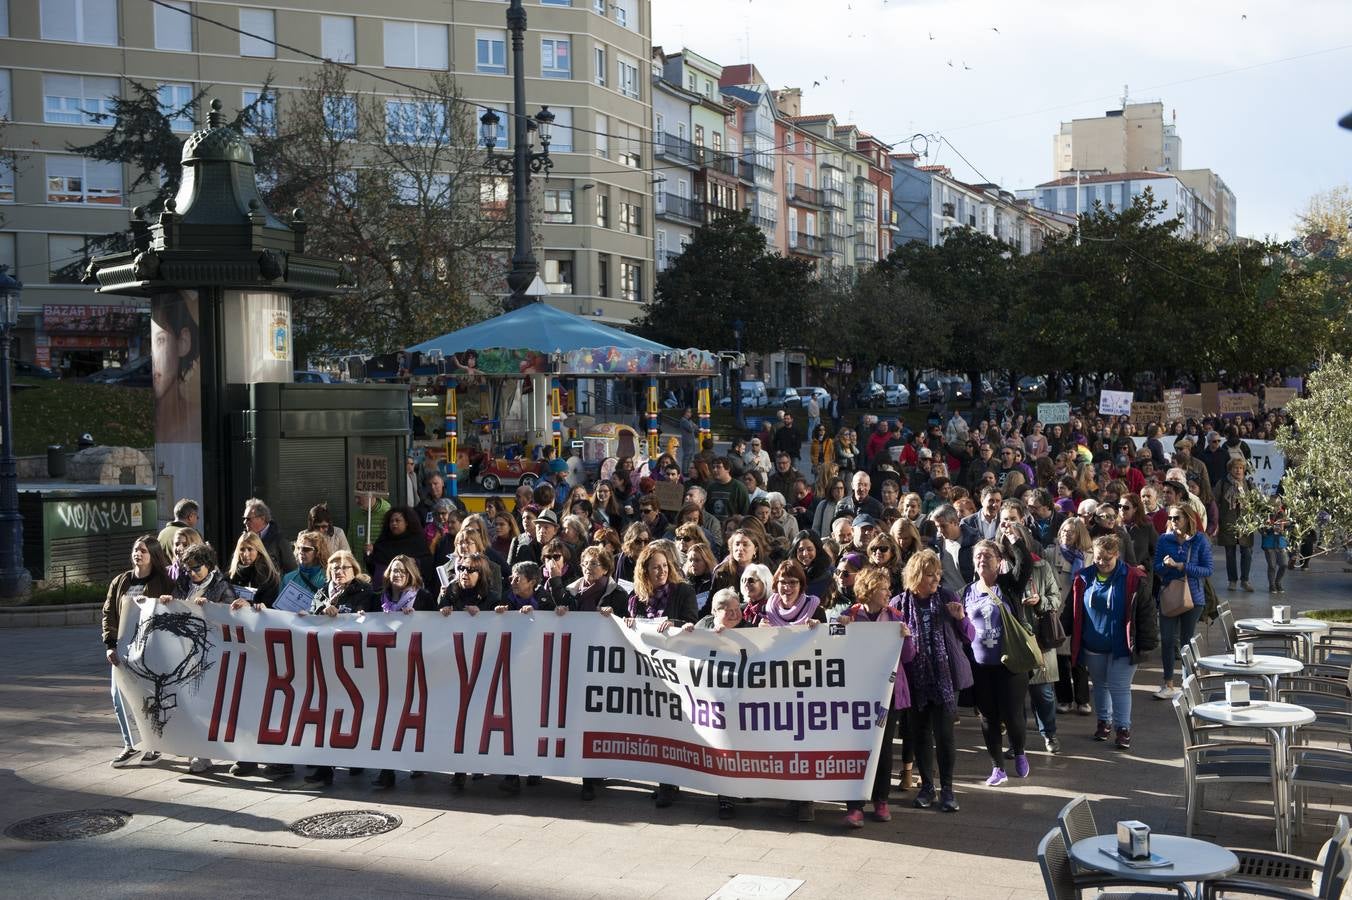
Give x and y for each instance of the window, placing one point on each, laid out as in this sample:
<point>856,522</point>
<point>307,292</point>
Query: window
<point>414,122</point>
<point>173,27</point>
<point>338,38</point>
<point>602,137</point>
<point>175,100</point>
<point>77,100</point>
<point>629,140</point>
<point>494,193</point>
<point>690,81</point>
<point>631,218</point>
<point>502,126</point>
<point>74,179</point>
<point>4,18</point>
<point>599,7</point>
<point>261,28</point>
<point>559,206</point>
<point>66,255</point>
<point>599,65</point>
<point>6,107</point>
<point>628,70</point>
<point>490,52</point>
<point>416,45</point>
<point>699,135</point>
<point>708,88</point>
<point>660,249</point>
<point>7,254</point>
<point>81,21</point>
<point>626,13</point>
<point>602,209</point>
<point>556,57</point>
<point>561,134</point>
<point>340,116</point>
<point>559,276</point>
<point>603,274</point>
<point>631,280</point>
<point>6,183</point>
<point>420,188</point>
<point>265,113</point>
<point>556,2</point>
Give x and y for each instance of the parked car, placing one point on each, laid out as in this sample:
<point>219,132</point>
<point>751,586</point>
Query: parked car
<point>754,396</point>
<point>870,394</point>
<point>923,397</point>
<point>33,370</point>
<point>312,377</point>
<point>822,394</point>
<point>897,394</point>
<point>1032,386</point>
<point>136,373</point>
<point>782,397</point>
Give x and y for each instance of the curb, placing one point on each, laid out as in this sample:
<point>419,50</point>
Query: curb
<point>50,616</point>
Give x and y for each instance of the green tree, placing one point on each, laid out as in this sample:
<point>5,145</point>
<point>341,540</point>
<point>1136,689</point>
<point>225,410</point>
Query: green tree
<point>725,275</point>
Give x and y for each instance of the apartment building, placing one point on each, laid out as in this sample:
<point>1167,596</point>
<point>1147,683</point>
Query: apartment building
<point>928,200</point>
<point>1076,197</point>
<point>62,60</point>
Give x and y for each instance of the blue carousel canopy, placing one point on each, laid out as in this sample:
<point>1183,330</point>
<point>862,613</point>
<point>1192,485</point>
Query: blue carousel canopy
<point>540,327</point>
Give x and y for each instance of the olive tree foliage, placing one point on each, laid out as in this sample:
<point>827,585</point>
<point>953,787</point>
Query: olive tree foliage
<point>1317,488</point>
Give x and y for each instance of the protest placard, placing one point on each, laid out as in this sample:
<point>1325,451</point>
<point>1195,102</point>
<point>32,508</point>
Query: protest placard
<point>1144,413</point>
<point>371,474</point>
<point>670,495</point>
<point>1210,398</point>
<point>1276,398</point>
<point>1115,403</point>
<point>1233,404</point>
<point>1053,413</point>
<point>1192,406</point>
<point>1173,404</point>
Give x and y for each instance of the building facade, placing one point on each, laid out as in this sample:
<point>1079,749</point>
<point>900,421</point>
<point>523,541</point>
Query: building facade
<point>60,62</point>
<point>1116,191</point>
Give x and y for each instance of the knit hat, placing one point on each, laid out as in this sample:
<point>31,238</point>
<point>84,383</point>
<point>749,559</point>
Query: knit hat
<point>853,561</point>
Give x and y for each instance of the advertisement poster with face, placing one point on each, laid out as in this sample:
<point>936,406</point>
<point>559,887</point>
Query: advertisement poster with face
<point>176,351</point>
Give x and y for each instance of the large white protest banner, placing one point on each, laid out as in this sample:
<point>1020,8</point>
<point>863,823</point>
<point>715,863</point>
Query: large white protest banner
<point>792,712</point>
<point>1267,463</point>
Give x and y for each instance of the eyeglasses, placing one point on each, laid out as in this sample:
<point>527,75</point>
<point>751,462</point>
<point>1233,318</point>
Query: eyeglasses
<point>553,556</point>
<point>876,551</point>
<point>641,540</point>
<point>788,581</point>
<point>467,569</point>
<point>687,540</point>
<point>303,549</point>
<point>344,568</point>
<point>1125,506</point>
<point>1174,518</point>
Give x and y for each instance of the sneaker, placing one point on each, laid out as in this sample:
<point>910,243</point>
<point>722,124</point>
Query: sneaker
<point>925,798</point>
<point>1021,767</point>
<point>1246,586</point>
<point>1230,586</point>
<point>1124,739</point>
<point>1103,731</point>
<point>1280,589</point>
<point>125,758</point>
<point>664,797</point>
<point>881,811</point>
<point>1053,744</point>
<point>807,811</point>
<point>948,802</point>
<point>854,818</point>
<point>1084,709</point>
<point>726,809</point>
<point>198,764</point>
<point>1064,708</point>
<point>243,768</point>
<point>1009,754</point>
<point>997,777</point>
<point>150,757</point>
<point>1166,692</point>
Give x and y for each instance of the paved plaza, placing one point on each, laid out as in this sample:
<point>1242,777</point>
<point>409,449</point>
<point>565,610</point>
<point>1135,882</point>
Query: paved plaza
<point>217,836</point>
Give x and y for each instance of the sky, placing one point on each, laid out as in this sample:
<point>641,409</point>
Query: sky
<point>1257,87</point>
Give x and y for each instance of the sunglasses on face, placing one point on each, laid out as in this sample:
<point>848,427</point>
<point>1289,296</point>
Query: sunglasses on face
<point>553,556</point>
<point>878,551</point>
<point>467,569</point>
<point>306,549</point>
<point>1175,518</point>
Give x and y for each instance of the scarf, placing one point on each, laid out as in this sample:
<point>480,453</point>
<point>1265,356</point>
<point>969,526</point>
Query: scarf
<point>404,602</point>
<point>198,590</point>
<point>589,598</point>
<point>655,607</point>
<point>929,674</point>
<point>799,612</point>
<point>1073,556</point>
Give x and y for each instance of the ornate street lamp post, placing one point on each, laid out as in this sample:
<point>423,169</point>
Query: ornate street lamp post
<point>15,582</point>
<point>522,161</point>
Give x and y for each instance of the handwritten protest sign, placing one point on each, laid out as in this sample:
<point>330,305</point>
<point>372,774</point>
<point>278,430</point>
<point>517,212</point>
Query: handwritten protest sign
<point>1115,403</point>
<point>372,474</point>
<point>1053,413</point>
<point>1277,398</point>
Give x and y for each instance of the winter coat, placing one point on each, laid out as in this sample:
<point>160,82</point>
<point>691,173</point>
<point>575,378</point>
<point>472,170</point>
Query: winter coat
<point>1142,619</point>
<point>157,586</point>
<point>1043,581</point>
<point>1229,506</point>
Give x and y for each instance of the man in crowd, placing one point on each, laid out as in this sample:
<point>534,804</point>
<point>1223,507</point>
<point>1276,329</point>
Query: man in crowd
<point>788,439</point>
<point>258,519</point>
<point>727,496</point>
<point>782,479</point>
<point>954,542</point>
<point>860,499</point>
<point>986,520</point>
<point>185,516</point>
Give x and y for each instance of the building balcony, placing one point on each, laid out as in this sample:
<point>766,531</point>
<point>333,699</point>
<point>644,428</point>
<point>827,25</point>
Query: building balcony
<point>713,212</point>
<point>764,221</point>
<point>684,209</point>
<point>806,244</point>
<point>806,196</point>
<point>835,244</point>
<point>865,212</point>
<point>718,162</point>
<point>676,149</point>
<point>834,197</point>
<point>865,252</point>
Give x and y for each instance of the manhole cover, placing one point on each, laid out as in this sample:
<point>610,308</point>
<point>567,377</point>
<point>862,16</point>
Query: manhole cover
<point>349,823</point>
<point>69,826</point>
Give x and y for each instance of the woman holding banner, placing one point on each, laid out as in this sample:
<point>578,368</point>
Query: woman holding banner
<point>252,574</point>
<point>402,593</point>
<point>936,674</point>
<point>147,577</point>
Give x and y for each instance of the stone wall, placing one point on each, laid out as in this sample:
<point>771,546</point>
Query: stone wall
<point>110,465</point>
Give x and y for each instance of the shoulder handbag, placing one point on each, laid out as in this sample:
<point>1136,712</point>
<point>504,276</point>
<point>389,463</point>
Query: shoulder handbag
<point>1048,629</point>
<point>1022,654</point>
<point>1176,598</point>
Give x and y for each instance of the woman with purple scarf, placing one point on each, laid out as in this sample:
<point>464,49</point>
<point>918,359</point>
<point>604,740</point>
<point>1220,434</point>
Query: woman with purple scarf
<point>661,593</point>
<point>873,587</point>
<point>939,670</point>
<point>402,592</point>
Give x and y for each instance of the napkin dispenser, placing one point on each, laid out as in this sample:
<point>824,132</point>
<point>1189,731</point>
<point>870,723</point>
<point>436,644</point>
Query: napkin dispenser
<point>1133,839</point>
<point>1237,693</point>
<point>1281,614</point>
<point>1244,653</point>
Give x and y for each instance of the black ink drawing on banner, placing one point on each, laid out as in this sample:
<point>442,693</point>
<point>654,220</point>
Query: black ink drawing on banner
<point>187,627</point>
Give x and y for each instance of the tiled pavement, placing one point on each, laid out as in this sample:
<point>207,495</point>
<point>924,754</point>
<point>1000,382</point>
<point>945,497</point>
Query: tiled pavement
<point>216,836</point>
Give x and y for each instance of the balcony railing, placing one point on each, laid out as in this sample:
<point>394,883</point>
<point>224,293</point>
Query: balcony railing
<point>806,244</point>
<point>806,196</point>
<point>835,197</point>
<point>719,162</point>
<point>676,207</point>
<point>835,244</point>
<point>864,211</point>
<point>764,221</point>
<point>675,148</point>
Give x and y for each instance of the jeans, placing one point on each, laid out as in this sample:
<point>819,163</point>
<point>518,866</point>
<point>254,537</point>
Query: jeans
<point>1001,698</point>
<point>1043,697</point>
<point>1072,683</point>
<point>123,723</point>
<point>1112,686</point>
<point>1276,563</point>
<point>1245,563</point>
<point>931,730</point>
<point>1175,632</point>
<point>882,779</point>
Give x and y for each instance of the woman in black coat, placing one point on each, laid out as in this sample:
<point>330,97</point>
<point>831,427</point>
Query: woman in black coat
<point>251,567</point>
<point>401,536</point>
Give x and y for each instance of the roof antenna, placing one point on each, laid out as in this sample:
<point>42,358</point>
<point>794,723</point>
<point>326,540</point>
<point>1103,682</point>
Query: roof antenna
<point>1125,94</point>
